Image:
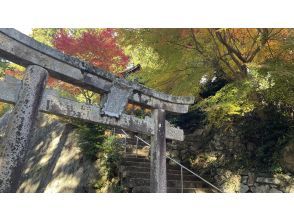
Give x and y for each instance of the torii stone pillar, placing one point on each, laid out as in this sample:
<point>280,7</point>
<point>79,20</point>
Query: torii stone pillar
<point>158,151</point>
<point>20,125</point>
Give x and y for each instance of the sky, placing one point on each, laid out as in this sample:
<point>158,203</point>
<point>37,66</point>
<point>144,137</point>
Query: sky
<point>25,30</point>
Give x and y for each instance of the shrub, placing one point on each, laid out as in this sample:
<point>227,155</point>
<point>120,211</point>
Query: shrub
<point>91,138</point>
<point>105,150</point>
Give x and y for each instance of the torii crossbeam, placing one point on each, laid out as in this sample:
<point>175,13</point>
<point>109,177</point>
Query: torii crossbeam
<point>30,97</point>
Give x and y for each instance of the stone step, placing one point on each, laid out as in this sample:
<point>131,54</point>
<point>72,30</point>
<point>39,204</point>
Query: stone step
<point>133,158</point>
<point>134,182</point>
<point>132,151</point>
<point>147,169</point>
<point>189,190</point>
<point>170,176</point>
<point>131,141</point>
<point>146,189</point>
<point>135,164</point>
<point>140,150</point>
<point>133,146</point>
<point>127,156</point>
<point>133,155</point>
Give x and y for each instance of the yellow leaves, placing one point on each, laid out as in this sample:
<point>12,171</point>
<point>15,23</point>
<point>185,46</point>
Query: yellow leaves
<point>16,67</point>
<point>233,100</point>
<point>233,109</point>
<point>265,83</point>
<point>146,56</point>
<point>3,108</point>
<point>204,160</point>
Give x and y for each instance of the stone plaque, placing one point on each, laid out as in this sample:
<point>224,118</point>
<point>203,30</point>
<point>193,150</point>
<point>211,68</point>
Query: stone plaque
<point>117,99</point>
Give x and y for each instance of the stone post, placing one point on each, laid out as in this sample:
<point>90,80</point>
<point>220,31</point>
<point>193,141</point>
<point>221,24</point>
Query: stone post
<point>20,126</point>
<point>158,152</point>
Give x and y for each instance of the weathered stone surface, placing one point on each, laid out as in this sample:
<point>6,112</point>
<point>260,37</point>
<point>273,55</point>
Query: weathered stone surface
<point>3,122</point>
<point>267,180</point>
<point>158,152</point>
<point>260,179</point>
<point>289,189</point>
<point>251,179</point>
<point>244,179</point>
<point>24,50</point>
<point>117,99</point>
<point>53,104</point>
<point>262,188</point>
<point>243,188</point>
<point>288,156</point>
<point>148,101</point>
<point>274,190</point>
<point>20,125</point>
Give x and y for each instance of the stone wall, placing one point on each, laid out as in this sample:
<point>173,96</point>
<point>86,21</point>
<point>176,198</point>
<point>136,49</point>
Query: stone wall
<point>251,182</point>
<point>288,156</point>
<point>263,183</point>
<point>54,162</point>
<point>218,155</point>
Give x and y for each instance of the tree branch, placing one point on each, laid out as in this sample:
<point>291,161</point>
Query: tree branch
<point>229,47</point>
<point>219,53</point>
<point>198,46</point>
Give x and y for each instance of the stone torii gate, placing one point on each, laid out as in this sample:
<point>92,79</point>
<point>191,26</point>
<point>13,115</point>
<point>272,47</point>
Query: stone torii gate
<point>31,96</point>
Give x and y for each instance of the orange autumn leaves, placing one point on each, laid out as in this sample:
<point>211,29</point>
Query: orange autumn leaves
<point>98,47</point>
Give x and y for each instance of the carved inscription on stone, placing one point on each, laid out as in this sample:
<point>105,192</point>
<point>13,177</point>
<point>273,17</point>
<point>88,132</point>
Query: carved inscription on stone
<point>116,99</point>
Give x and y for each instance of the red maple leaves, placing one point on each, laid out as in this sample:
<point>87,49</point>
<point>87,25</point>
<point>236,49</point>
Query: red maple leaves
<point>99,48</point>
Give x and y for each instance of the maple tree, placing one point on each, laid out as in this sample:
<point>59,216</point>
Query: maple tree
<point>186,55</point>
<point>98,47</point>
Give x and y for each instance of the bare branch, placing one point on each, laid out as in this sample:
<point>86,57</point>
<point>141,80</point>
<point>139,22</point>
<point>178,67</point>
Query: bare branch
<point>219,53</point>
<point>198,46</point>
<point>230,49</point>
<point>181,45</point>
<point>270,50</point>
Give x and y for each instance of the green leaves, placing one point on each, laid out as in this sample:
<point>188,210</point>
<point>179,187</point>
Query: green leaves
<point>3,67</point>
<point>91,138</point>
<point>44,35</point>
<point>169,61</point>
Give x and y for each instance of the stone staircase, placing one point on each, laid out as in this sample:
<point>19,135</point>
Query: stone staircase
<point>135,174</point>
